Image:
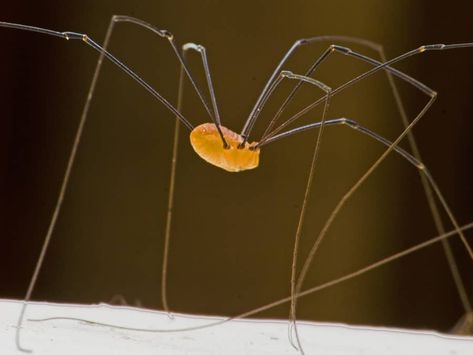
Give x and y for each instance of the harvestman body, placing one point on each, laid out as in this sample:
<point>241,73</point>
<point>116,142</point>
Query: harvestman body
<point>232,152</point>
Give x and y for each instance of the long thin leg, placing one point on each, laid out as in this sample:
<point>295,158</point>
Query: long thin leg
<point>353,274</point>
<point>412,142</point>
<point>256,108</point>
<point>421,168</point>
<point>357,127</point>
<point>430,198</point>
<point>302,214</point>
<point>291,95</point>
<point>434,186</point>
<point>267,88</point>
<point>327,90</point>
<point>62,192</point>
<point>297,44</point>
<point>312,68</point>
<point>378,66</point>
<point>309,291</point>
<point>352,191</point>
<point>414,82</point>
<point>310,180</point>
<point>459,284</point>
<point>91,43</point>
<point>353,125</point>
<point>215,117</point>
<point>423,88</point>
<point>103,52</point>
<point>331,49</point>
<point>309,72</point>
<point>203,54</point>
<point>357,185</point>
<point>170,37</point>
<point>167,236</point>
<point>172,184</point>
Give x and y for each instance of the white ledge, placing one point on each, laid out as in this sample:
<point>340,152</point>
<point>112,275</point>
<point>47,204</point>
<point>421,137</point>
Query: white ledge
<point>235,337</point>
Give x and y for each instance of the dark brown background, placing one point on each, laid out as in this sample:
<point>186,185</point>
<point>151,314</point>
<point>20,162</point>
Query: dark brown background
<point>232,233</point>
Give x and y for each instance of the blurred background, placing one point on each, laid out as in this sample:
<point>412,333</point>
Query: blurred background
<point>232,234</point>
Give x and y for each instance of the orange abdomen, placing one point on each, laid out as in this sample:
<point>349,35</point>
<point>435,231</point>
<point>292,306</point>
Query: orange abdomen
<point>208,144</point>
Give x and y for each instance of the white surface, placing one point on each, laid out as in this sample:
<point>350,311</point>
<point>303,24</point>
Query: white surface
<point>235,337</point>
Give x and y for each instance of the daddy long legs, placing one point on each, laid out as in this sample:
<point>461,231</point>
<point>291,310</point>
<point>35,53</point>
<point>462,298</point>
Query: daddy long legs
<point>235,152</point>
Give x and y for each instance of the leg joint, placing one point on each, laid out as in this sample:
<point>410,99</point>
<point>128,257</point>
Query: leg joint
<point>353,124</point>
<point>341,49</point>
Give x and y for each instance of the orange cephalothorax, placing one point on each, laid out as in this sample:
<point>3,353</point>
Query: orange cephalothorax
<point>208,144</point>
